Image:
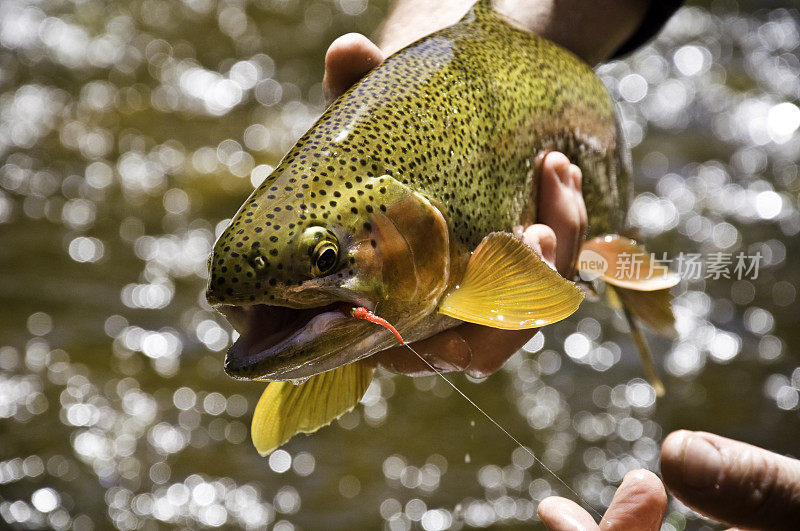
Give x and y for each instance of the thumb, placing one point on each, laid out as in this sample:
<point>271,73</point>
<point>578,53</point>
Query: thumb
<point>347,60</point>
<point>730,481</point>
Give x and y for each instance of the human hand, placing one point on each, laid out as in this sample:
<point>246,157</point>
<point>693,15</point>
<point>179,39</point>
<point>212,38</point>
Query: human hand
<point>477,350</point>
<point>729,481</point>
<point>638,505</point>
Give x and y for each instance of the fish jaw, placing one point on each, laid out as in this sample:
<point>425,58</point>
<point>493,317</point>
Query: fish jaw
<point>283,343</point>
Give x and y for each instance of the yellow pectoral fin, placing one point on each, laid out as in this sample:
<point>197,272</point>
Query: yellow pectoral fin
<point>507,285</point>
<point>285,409</point>
<point>620,262</point>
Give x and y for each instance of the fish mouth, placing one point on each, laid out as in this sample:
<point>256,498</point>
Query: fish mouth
<point>283,343</point>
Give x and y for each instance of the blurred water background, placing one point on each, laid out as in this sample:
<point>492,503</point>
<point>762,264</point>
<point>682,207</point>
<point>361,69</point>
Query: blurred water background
<point>131,131</point>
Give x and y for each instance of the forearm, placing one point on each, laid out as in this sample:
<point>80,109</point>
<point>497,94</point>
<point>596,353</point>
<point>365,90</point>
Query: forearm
<point>592,29</point>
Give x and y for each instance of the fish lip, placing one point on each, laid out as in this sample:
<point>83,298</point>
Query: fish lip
<point>272,338</point>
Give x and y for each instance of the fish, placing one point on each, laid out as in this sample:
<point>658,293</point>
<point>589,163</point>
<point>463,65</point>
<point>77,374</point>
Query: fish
<point>407,198</point>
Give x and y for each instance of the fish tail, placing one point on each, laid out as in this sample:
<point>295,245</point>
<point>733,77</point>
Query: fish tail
<point>637,285</point>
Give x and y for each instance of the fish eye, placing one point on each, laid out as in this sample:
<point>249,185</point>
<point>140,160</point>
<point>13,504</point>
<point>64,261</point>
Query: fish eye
<point>321,247</point>
<point>325,256</point>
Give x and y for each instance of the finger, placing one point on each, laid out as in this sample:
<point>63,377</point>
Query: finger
<point>446,351</point>
<point>577,190</point>
<point>561,514</point>
<point>561,208</point>
<point>730,481</point>
<point>543,240</point>
<point>639,503</point>
<point>574,183</point>
<point>348,59</point>
<point>477,350</point>
<point>491,347</point>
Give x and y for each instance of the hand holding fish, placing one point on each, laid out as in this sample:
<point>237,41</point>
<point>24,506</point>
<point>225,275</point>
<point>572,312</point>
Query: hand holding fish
<point>416,196</point>
<point>475,349</point>
<point>728,481</point>
<point>640,501</point>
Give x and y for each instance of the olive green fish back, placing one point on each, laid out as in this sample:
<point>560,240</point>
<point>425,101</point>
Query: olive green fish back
<point>496,97</point>
<point>460,116</point>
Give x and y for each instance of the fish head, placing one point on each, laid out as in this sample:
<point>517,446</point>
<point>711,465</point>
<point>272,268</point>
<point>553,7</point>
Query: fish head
<point>304,250</point>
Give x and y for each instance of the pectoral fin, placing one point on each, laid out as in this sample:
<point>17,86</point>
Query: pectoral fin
<point>286,409</point>
<point>507,285</point>
<point>620,262</point>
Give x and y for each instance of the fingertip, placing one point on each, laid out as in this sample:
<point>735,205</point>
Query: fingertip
<point>648,485</point>
<point>561,514</point>
<point>347,60</point>
<point>548,506</point>
<point>691,460</point>
<point>542,239</point>
<point>639,503</point>
<point>672,449</point>
<point>345,48</point>
<point>560,165</point>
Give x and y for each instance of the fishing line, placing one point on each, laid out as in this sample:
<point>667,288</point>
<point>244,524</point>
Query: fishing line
<point>363,313</point>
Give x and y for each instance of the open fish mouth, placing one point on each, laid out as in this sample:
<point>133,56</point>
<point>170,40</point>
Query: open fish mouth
<point>282,343</point>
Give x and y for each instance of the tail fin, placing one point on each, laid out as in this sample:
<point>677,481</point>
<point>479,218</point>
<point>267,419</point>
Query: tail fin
<point>285,409</point>
<point>637,284</point>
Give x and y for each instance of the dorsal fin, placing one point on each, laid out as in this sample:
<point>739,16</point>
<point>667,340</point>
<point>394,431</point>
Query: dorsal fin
<point>480,9</point>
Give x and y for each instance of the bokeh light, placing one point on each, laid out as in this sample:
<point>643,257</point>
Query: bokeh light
<point>130,132</point>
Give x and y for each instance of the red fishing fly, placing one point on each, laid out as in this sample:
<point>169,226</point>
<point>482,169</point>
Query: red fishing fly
<point>363,313</point>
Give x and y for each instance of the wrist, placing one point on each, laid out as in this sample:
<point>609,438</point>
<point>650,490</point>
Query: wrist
<point>592,29</point>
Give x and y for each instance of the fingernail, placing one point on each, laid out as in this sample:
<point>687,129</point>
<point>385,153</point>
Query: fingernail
<point>701,463</point>
<point>563,171</point>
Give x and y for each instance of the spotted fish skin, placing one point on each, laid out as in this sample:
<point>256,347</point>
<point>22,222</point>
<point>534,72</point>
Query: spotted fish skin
<point>458,117</point>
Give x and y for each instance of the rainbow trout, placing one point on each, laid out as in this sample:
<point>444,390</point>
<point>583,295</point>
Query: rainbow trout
<point>405,198</point>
